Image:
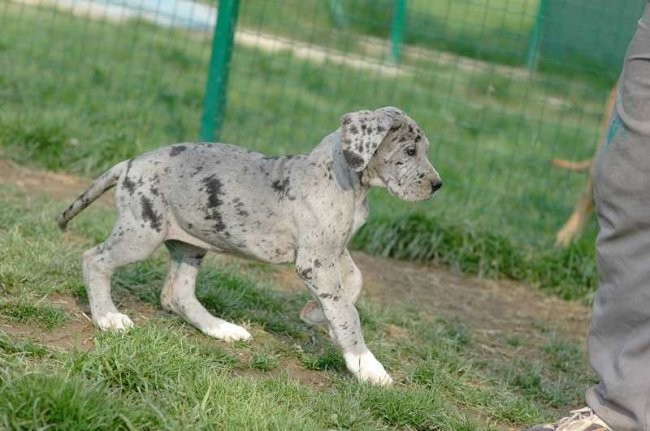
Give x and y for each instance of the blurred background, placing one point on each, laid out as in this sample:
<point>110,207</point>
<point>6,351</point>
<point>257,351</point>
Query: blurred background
<point>500,87</point>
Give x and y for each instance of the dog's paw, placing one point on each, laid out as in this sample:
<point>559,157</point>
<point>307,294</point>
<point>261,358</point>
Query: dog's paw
<point>113,321</point>
<point>312,314</point>
<point>227,332</point>
<point>368,369</point>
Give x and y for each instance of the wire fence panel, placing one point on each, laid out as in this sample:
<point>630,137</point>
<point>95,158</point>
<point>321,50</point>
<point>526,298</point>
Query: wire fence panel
<point>494,127</point>
<point>85,83</point>
<point>587,35</point>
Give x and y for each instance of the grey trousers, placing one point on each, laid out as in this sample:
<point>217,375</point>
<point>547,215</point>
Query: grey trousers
<point>619,338</point>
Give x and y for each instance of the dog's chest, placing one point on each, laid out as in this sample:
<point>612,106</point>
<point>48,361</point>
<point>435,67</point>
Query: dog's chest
<point>360,214</point>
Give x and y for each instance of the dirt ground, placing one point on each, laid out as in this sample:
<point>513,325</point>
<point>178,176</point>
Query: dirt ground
<point>492,310</point>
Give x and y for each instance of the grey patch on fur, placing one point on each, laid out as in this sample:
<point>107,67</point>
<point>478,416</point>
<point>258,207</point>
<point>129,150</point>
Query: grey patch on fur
<point>149,215</point>
<point>213,189</point>
<point>177,149</point>
<point>128,184</point>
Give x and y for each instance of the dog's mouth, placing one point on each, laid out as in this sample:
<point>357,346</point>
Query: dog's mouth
<point>418,192</point>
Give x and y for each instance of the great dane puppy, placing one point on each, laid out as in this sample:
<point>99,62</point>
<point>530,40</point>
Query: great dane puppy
<point>196,198</point>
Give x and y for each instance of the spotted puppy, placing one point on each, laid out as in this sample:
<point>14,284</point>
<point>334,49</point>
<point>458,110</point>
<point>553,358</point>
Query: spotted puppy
<point>196,198</point>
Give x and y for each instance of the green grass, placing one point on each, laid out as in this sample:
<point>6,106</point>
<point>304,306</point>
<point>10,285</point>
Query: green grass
<point>30,311</point>
<point>496,30</point>
<point>164,374</point>
<point>107,92</point>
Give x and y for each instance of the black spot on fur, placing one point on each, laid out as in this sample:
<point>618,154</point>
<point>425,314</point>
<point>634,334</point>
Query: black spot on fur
<point>354,129</point>
<point>154,191</point>
<point>325,295</point>
<point>353,159</point>
<point>287,157</point>
<point>239,206</point>
<point>197,170</point>
<point>317,263</point>
<point>177,149</point>
<point>281,187</point>
<point>128,184</point>
<point>305,273</point>
<point>149,215</point>
<point>213,188</point>
<point>364,129</point>
<point>418,138</point>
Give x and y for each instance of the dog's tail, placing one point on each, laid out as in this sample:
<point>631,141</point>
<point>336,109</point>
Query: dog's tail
<point>107,180</point>
<point>582,165</point>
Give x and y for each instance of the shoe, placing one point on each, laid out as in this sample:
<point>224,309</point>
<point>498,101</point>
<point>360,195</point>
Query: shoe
<point>580,420</point>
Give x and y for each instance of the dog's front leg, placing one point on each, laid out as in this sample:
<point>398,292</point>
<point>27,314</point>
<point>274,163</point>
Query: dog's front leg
<point>322,275</point>
<point>352,281</point>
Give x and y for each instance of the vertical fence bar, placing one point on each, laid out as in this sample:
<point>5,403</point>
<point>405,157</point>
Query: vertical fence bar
<point>337,14</point>
<point>397,29</point>
<point>535,40</point>
<point>214,102</point>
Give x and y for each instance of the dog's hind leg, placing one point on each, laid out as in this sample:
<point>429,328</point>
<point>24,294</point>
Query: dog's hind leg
<point>130,241</point>
<point>178,294</point>
<point>352,281</point>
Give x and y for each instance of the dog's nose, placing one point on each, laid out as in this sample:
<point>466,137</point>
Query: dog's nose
<point>435,185</point>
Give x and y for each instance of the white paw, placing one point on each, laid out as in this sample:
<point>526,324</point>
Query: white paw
<point>366,368</point>
<point>227,332</point>
<point>113,321</point>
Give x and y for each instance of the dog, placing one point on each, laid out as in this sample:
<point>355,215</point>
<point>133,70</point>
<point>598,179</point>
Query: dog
<point>305,209</point>
<point>585,203</point>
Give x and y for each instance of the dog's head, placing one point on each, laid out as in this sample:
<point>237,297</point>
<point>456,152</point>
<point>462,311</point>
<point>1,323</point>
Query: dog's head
<point>391,151</point>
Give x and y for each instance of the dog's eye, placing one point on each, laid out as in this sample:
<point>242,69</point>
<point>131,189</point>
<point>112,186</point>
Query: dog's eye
<point>410,151</point>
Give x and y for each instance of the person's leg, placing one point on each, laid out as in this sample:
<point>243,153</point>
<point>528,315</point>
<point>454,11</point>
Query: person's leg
<point>619,338</point>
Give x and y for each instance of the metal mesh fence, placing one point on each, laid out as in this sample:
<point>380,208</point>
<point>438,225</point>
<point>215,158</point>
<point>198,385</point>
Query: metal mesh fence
<point>85,83</point>
<point>586,35</point>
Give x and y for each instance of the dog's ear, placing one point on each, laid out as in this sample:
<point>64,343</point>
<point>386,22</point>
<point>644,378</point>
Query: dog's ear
<point>363,131</point>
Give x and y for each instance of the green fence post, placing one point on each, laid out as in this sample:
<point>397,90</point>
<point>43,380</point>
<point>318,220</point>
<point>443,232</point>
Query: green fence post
<point>337,14</point>
<point>214,101</point>
<point>397,28</point>
<point>535,40</point>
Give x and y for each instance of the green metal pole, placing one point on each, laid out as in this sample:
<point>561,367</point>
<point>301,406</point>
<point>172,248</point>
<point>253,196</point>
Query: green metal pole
<point>397,28</point>
<point>214,102</point>
<point>337,14</point>
<point>535,40</point>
